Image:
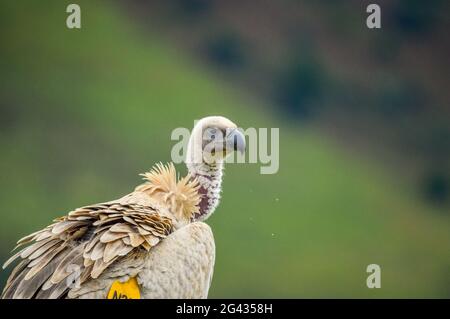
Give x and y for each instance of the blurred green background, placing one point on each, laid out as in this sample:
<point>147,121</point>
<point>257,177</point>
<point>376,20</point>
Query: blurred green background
<point>363,117</point>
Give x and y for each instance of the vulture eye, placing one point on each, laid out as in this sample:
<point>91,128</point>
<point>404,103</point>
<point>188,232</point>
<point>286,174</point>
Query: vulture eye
<point>212,133</point>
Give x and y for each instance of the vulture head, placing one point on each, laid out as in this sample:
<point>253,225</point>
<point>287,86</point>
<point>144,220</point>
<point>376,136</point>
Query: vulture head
<point>212,139</point>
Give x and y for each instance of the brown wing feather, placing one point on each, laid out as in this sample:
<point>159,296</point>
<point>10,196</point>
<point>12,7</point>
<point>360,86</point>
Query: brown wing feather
<point>90,238</point>
<point>27,288</point>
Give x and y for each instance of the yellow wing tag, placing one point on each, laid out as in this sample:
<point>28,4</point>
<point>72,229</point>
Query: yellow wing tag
<point>126,290</point>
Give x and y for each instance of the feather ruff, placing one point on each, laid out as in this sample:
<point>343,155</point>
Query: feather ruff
<point>181,196</point>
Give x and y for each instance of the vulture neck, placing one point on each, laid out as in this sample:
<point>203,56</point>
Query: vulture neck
<point>209,177</point>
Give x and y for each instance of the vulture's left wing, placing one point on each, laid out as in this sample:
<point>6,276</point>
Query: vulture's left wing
<point>80,246</point>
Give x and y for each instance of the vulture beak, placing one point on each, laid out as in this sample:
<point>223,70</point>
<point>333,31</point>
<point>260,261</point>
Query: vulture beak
<point>236,140</point>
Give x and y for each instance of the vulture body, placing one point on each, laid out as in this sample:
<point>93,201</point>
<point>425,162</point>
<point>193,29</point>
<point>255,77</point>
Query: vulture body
<point>152,240</point>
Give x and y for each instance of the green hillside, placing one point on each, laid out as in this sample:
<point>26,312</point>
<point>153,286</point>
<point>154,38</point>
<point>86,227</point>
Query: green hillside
<point>84,111</point>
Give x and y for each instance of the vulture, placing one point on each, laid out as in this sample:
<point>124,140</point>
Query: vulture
<point>151,243</point>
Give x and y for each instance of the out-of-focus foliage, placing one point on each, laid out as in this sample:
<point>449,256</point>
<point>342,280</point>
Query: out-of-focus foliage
<point>317,62</point>
<point>84,111</point>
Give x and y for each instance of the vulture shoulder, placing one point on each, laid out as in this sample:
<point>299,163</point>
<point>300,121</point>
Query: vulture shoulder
<point>180,266</point>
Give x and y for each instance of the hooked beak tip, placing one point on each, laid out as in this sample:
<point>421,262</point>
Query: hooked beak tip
<point>236,141</point>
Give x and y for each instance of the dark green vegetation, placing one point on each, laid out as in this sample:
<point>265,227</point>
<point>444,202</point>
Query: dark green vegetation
<point>83,112</point>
